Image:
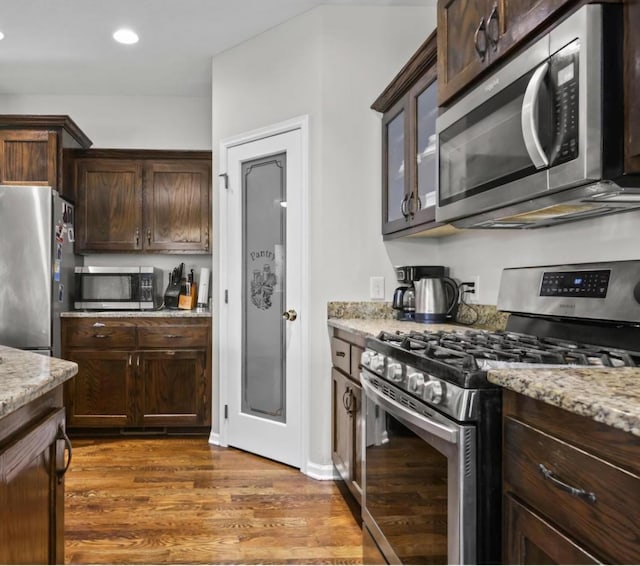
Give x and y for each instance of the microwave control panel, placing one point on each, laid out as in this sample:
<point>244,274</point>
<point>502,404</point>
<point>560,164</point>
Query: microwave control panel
<point>563,74</point>
<point>588,284</point>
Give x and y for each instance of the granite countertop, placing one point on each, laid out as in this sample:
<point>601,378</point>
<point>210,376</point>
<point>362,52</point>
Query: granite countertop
<point>172,313</point>
<point>607,395</point>
<point>25,376</point>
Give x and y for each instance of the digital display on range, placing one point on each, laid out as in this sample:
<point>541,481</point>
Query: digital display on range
<point>587,284</point>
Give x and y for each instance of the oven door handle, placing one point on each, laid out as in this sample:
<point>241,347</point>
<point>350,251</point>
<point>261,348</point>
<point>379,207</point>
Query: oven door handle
<point>442,431</point>
<point>529,118</point>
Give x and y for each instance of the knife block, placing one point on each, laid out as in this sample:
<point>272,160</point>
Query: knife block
<point>188,302</point>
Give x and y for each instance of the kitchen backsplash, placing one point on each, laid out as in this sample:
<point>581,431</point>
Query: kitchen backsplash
<point>488,315</point>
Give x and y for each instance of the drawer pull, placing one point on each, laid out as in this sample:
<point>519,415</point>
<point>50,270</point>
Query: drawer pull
<point>98,324</point>
<point>582,493</point>
<point>341,354</point>
<point>172,336</point>
<point>101,336</point>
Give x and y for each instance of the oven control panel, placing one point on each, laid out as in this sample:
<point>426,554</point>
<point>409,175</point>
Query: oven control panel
<point>586,284</point>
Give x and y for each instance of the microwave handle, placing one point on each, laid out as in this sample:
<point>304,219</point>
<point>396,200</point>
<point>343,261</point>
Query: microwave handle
<point>530,118</point>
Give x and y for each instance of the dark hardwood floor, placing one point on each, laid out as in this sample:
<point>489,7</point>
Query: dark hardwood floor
<point>180,500</point>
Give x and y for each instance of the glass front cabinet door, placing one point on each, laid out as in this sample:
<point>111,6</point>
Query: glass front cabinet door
<point>409,160</point>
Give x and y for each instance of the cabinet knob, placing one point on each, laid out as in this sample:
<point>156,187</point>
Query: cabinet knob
<point>137,237</point>
<point>481,34</point>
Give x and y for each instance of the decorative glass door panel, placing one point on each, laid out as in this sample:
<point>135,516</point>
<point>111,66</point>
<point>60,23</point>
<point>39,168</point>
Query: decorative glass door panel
<point>396,185</point>
<point>426,158</point>
<point>263,392</point>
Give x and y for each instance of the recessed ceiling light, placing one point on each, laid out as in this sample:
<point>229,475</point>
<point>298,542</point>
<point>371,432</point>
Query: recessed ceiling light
<point>126,36</point>
<point>1,35</point>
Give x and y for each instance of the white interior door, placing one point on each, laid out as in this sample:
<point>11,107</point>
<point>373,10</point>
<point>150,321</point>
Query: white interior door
<point>263,270</point>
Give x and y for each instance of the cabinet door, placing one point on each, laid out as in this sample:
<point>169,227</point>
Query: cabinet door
<point>513,20</point>
<point>424,109</point>
<point>529,539</point>
<point>356,427</point>
<point>395,176</point>
<point>341,433</point>
<point>177,205</point>
<point>461,42</point>
<point>172,388</point>
<point>28,157</point>
<point>109,211</point>
<point>32,494</point>
<point>101,394</point>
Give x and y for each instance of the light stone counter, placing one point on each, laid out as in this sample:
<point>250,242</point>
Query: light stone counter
<point>172,313</point>
<point>607,395</point>
<point>25,376</point>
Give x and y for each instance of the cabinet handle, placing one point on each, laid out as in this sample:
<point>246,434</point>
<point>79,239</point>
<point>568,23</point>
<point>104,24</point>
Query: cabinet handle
<point>149,236</point>
<point>493,22</point>
<point>206,239</point>
<point>481,51</point>
<point>138,360</point>
<point>98,324</point>
<point>129,359</point>
<point>341,354</point>
<point>172,336</point>
<point>414,198</point>
<point>137,237</point>
<point>582,493</point>
<point>403,207</point>
<point>345,397</point>
<point>62,435</point>
<point>101,336</point>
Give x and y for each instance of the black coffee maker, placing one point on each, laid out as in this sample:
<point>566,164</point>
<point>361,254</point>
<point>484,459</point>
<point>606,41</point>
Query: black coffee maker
<point>404,297</point>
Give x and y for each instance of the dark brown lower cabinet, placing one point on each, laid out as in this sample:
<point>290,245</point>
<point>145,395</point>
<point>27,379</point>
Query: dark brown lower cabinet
<point>138,372</point>
<point>571,487</point>
<point>32,466</point>
<point>346,407</point>
<point>532,540</point>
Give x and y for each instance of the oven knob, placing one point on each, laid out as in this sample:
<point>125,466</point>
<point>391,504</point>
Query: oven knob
<point>377,363</point>
<point>433,392</point>
<point>416,381</point>
<point>394,371</point>
<point>365,358</point>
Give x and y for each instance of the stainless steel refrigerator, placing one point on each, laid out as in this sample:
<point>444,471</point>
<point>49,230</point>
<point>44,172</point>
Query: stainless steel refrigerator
<point>36,267</point>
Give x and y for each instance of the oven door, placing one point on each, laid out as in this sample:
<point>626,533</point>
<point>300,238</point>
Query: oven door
<point>419,497</point>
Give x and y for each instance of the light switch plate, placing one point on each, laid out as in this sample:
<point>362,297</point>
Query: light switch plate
<point>376,288</point>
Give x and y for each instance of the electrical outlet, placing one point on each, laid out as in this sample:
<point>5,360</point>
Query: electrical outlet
<point>376,288</point>
<point>471,291</point>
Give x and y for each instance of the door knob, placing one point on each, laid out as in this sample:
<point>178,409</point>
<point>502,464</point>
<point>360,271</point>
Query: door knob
<point>290,315</point>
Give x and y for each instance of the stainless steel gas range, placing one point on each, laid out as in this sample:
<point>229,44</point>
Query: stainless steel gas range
<point>432,432</point>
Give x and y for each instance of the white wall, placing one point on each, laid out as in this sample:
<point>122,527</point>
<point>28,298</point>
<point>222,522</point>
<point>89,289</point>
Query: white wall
<point>487,252</point>
<point>140,122</point>
<point>331,64</point>
<point>130,122</point>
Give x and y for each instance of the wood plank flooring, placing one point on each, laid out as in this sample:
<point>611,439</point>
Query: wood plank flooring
<point>182,501</point>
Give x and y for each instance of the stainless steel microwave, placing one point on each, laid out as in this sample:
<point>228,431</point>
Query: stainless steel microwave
<point>540,141</point>
<point>117,288</point>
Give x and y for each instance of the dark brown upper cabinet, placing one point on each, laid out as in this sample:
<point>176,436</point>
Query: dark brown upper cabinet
<point>409,159</point>
<point>33,150</point>
<point>475,34</point>
<point>143,200</point>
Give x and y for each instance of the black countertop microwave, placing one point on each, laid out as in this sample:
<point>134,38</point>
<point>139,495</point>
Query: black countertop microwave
<point>117,288</point>
<point>540,141</point>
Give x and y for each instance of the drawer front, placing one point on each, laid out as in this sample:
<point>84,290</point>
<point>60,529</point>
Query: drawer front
<point>168,336</point>
<point>341,355</point>
<point>603,511</point>
<point>99,334</point>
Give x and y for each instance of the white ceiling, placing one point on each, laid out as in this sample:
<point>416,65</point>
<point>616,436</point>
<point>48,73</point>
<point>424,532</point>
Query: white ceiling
<point>65,46</point>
